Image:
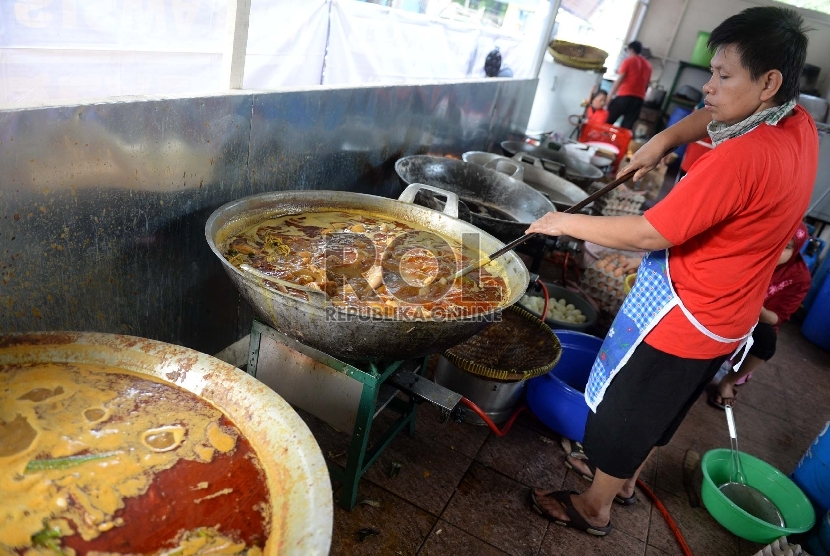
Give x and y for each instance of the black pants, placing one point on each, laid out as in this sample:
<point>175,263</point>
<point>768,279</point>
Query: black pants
<point>628,107</point>
<point>643,407</point>
<point>765,339</point>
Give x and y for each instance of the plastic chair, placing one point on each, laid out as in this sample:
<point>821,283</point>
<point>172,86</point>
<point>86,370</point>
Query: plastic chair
<point>606,133</point>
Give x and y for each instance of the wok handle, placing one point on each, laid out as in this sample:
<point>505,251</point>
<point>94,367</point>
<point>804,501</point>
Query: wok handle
<point>542,163</point>
<point>316,297</point>
<point>450,207</point>
<point>515,170</point>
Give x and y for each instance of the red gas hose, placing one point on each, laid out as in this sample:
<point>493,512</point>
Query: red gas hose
<point>678,535</point>
<point>547,298</point>
<point>489,422</point>
<point>667,516</point>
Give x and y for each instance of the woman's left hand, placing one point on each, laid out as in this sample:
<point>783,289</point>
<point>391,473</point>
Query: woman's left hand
<point>552,224</point>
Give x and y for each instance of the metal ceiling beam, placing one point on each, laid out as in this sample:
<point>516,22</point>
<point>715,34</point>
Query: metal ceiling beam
<point>553,9</point>
<point>235,44</point>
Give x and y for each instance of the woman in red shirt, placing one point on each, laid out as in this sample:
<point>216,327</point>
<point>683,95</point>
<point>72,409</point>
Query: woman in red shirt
<point>788,288</point>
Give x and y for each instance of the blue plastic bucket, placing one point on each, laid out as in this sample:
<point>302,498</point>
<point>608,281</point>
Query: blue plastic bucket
<point>811,260</point>
<point>819,276</point>
<point>816,327</point>
<point>824,532</point>
<point>678,114</point>
<point>558,398</point>
<point>812,474</point>
<point>817,541</point>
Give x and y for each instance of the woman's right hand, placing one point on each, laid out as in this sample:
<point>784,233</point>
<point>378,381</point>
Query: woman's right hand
<point>689,129</point>
<point>646,158</point>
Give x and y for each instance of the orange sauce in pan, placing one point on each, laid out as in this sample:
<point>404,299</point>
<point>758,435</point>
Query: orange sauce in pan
<point>98,459</point>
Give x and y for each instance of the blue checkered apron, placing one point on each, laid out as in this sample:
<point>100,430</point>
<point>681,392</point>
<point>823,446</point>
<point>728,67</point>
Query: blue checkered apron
<point>651,298</point>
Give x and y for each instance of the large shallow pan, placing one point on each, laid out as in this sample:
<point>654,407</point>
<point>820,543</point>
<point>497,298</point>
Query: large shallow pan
<point>475,184</point>
<point>562,193</point>
<point>332,330</point>
<point>575,171</point>
<point>298,480</point>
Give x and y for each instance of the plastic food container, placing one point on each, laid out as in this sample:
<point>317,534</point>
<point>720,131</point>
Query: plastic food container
<point>579,302</point>
<point>793,504</point>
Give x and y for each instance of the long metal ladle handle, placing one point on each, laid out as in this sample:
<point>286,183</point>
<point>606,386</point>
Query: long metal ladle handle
<point>521,239</point>
<point>737,472</point>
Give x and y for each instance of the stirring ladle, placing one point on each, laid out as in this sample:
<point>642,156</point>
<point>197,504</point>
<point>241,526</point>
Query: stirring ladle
<point>748,498</point>
<point>519,240</point>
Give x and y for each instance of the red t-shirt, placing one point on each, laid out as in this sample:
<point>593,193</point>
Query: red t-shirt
<point>597,116</point>
<point>729,219</point>
<point>637,72</point>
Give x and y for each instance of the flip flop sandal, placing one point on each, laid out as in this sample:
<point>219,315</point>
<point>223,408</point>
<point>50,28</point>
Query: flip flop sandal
<point>587,462</point>
<point>575,519</point>
<point>626,501</point>
<point>713,396</point>
<point>618,499</point>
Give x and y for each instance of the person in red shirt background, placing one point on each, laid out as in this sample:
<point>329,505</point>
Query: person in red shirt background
<point>630,87</point>
<point>788,288</point>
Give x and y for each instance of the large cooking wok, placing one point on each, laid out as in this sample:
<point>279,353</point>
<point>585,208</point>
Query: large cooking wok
<point>476,185</point>
<point>298,480</point>
<point>335,331</point>
<point>575,171</point>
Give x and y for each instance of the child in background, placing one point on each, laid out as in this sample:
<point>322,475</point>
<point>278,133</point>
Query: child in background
<point>788,288</point>
<point>596,112</point>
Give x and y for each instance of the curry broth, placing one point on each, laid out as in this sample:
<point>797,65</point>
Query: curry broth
<point>99,459</point>
<point>337,252</point>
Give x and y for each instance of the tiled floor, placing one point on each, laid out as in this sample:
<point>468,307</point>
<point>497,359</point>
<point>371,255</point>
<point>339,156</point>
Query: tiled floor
<point>462,490</point>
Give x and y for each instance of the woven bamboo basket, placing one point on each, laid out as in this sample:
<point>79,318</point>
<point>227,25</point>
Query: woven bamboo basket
<point>579,56</point>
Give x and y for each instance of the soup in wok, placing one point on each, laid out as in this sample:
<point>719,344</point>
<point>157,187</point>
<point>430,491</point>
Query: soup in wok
<point>99,459</point>
<point>365,261</point>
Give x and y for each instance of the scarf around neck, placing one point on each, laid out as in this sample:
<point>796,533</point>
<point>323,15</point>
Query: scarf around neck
<point>720,132</point>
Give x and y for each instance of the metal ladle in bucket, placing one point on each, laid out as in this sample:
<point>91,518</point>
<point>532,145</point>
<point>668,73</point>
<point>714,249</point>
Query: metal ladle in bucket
<point>748,498</point>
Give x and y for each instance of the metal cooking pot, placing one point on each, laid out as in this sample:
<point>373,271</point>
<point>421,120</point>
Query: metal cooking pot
<point>298,480</point>
<point>575,171</point>
<point>560,191</point>
<point>472,182</point>
<point>333,330</point>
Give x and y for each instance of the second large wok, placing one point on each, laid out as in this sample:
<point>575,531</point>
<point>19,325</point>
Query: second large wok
<point>487,188</point>
<point>334,330</point>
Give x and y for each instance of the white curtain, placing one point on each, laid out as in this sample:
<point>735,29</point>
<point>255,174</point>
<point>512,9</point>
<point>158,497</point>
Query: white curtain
<point>286,43</point>
<point>369,43</point>
<point>55,51</point>
<point>59,50</point>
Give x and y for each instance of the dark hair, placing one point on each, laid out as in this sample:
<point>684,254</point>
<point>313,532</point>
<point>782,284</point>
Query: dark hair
<point>600,92</point>
<point>767,38</point>
<point>636,46</point>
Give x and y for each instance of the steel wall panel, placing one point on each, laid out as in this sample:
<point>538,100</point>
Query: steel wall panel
<point>103,206</point>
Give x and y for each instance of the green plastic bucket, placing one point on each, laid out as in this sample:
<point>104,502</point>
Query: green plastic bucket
<point>793,504</point>
<point>701,56</point>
